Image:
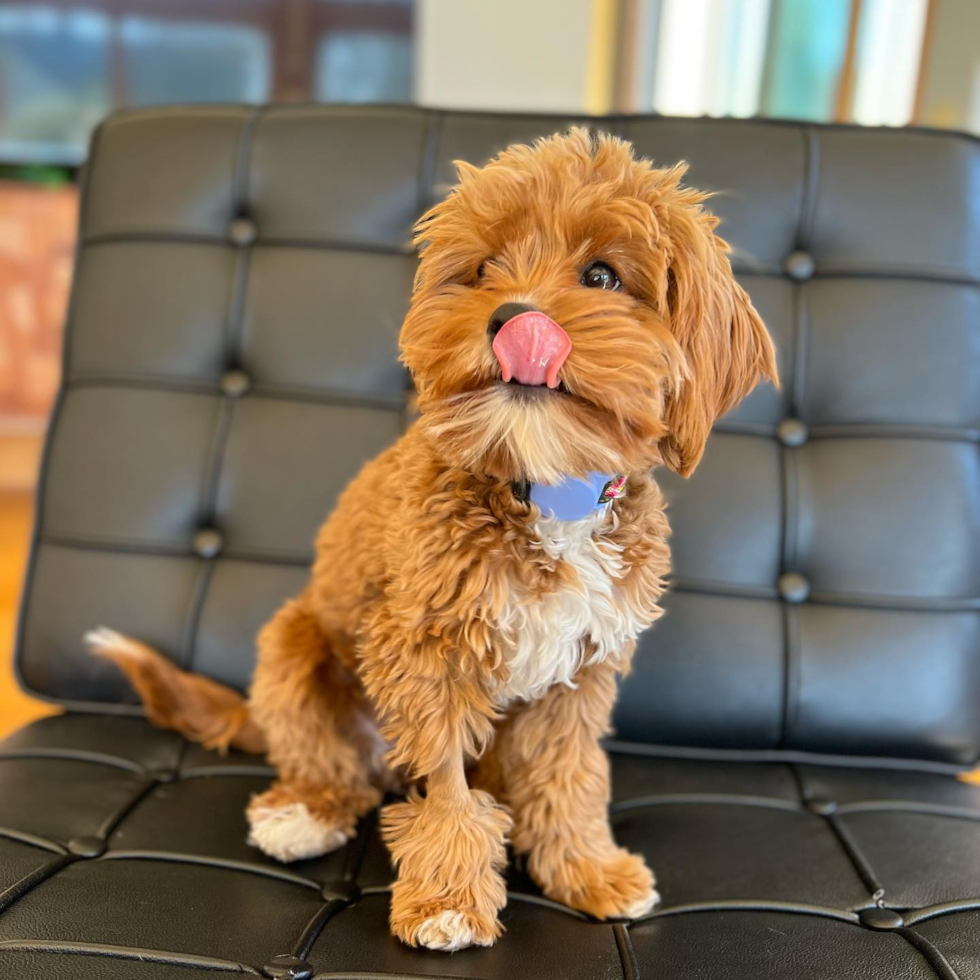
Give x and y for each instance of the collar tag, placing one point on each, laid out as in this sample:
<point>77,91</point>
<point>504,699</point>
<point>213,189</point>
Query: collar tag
<point>613,489</point>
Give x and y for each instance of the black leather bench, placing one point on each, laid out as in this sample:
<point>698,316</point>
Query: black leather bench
<point>787,745</point>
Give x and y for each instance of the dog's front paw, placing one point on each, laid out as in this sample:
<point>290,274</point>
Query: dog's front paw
<point>445,929</point>
<point>615,887</point>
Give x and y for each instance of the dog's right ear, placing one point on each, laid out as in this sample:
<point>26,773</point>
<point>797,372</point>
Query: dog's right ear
<point>726,347</point>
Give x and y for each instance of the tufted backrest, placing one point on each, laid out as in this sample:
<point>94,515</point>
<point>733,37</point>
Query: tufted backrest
<point>230,362</point>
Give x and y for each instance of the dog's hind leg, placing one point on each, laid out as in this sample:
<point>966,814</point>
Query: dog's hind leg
<point>321,737</point>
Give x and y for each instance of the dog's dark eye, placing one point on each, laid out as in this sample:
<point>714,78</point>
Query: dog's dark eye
<point>480,269</point>
<point>600,276</point>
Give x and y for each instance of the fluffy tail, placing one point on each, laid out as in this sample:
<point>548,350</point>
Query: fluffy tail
<point>200,709</point>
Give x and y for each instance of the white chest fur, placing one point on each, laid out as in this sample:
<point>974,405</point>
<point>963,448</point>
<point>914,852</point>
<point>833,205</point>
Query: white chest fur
<point>543,639</point>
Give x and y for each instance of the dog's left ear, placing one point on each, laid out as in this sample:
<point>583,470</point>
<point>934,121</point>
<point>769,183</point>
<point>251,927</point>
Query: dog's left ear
<point>726,347</point>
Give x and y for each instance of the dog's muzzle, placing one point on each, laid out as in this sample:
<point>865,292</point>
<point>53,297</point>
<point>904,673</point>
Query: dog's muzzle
<point>529,346</point>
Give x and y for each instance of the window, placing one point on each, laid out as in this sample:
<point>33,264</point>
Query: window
<point>64,64</point>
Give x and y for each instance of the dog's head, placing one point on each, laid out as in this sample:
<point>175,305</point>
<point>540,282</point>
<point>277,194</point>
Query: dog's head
<point>575,311</point>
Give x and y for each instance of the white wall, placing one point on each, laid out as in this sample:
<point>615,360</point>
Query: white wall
<point>951,90</point>
<point>522,55</point>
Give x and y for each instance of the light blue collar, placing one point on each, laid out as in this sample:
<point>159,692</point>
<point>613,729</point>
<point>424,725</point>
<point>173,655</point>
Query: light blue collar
<point>574,497</point>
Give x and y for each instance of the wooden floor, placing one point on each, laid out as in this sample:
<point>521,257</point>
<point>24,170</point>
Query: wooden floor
<point>16,506</point>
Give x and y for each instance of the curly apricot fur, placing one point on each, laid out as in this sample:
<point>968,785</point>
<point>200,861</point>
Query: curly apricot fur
<point>385,669</point>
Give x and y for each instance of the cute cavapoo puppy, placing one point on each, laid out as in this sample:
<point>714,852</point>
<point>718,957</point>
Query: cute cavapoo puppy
<point>481,584</point>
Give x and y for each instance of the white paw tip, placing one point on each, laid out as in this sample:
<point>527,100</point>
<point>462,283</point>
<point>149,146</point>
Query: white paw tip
<point>104,639</point>
<point>448,931</point>
<point>642,906</point>
<point>292,833</point>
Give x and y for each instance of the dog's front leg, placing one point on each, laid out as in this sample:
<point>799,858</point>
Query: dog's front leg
<point>449,851</point>
<point>448,845</point>
<point>556,777</point>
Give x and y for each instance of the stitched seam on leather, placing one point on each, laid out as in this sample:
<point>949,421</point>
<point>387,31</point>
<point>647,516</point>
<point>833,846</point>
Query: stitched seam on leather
<point>788,545</point>
<point>791,677</point>
<point>242,174</point>
<point>706,799</point>
<point>75,755</point>
<point>29,882</point>
<point>909,604</point>
<point>31,840</point>
<point>801,349</point>
<point>930,953</point>
<point>801,791</point>
<point>859,430</point>
<point>909,806</point>
<point>212,466</point>
<point>903,271</point>
<point>179,549</point>
<point>107,951</point>
<point>856,856</point>
<point>779,755</point>
<point>627,955</point>
<point>867,430</point>
<point>748,905</point>
<point>111,823</point>
<point>810,189</point>
<point>945,908</point>
<point>268,241</point>
<point>192,618</point>
<point>114,820</point>
<point>206,386</point>
<point>316,925</point>
<point>232,327</point>
<point>206,861</point>
<point>356,850</point>
<point>791,504</point>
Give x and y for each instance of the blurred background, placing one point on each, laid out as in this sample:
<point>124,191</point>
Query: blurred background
<point>64,64</point>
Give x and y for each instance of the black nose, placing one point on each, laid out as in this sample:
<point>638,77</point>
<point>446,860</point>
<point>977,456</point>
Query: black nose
<point>504,313</point>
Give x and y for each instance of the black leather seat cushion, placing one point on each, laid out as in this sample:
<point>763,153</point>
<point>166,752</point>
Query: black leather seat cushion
<point>123,854</point>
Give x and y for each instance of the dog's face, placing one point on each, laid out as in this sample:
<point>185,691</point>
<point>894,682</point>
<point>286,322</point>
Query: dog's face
<point>574,311</point>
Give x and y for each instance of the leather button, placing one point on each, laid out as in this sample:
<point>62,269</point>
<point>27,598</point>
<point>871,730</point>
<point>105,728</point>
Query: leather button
<point>882,920</point>
<point>792,432</point>
<point>242,232</point>
<point>793,587</point>
<point>165,775</point>
<point>87,847</point>
<point>235,383</point>
<point>287,968</point>
<point>799,266</point>
<point>823,808</point>
<point>207,543</point>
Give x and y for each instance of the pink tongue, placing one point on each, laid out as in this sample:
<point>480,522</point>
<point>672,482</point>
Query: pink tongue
<point>531,349</point>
